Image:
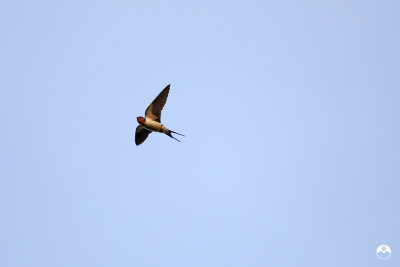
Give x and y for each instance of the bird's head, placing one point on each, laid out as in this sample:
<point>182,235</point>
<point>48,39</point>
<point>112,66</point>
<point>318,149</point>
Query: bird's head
<point>141,120</point>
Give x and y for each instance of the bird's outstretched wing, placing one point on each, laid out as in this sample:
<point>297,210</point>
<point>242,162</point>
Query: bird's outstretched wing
<point>154,110</point>
<point>141,134</point>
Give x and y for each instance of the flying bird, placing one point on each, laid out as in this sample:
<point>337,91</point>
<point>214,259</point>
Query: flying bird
<point>151,122</point>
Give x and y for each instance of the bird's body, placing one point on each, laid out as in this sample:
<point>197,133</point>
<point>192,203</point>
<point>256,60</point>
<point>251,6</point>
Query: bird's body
<point>152,120</point>
<point>153,126</point>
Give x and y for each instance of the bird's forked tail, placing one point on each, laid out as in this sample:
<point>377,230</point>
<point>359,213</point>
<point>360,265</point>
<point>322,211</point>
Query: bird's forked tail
<point>170,135</point>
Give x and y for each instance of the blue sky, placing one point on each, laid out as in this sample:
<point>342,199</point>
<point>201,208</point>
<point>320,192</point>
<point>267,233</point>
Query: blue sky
<point>291,115</point>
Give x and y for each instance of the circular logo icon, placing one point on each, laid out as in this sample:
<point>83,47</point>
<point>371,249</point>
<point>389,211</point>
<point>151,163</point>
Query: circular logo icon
<point>383,252</point>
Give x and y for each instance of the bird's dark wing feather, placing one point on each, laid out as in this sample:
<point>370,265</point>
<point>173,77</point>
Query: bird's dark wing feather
<point>141,134</point>
<point>154,110</point>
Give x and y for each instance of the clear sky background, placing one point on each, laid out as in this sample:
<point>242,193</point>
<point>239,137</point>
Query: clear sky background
<point>291,115</point>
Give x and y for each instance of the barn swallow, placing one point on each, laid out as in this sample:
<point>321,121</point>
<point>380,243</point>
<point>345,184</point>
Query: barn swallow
<point>151,122</point>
